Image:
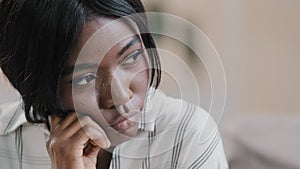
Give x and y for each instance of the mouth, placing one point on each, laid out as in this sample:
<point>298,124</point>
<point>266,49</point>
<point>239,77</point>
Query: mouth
<point>125,123</point>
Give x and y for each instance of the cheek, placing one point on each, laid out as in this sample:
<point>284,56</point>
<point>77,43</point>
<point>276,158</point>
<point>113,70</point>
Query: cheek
<point>65,98</point>
<point>140,79</point>
<point>139,83</point>
<point>80,101</point>
<point>85,102</point>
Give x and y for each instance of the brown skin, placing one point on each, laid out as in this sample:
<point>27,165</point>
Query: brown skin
<point>106,98</point>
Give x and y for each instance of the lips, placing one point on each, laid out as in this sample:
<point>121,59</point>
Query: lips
<point>124,123</point>
<point>121,122</point>
<point>122,119</point>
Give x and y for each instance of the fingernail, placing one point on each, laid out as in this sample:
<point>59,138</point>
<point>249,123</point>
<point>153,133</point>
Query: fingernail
<point>105,143</point>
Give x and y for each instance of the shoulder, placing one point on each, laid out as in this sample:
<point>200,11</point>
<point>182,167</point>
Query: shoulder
<point>189,134</point>
<point>12,116</point>
<point>179,120</point>
<point>174,112</point>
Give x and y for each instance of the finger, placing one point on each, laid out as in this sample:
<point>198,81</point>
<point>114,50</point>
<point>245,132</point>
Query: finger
<point>92,129</point>
<point>59,124</point>
<point>87,133</point>
<point>53,121</point>
<point>71,128</point>
<point>69,119</point>
<point>98,136</point>
<point>91,151</point>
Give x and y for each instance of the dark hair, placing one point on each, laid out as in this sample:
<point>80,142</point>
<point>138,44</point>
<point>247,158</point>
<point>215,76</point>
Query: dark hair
<point>37,36</point>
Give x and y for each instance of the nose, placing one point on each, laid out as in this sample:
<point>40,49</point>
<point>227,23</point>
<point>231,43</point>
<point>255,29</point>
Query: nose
<point>116,92</point>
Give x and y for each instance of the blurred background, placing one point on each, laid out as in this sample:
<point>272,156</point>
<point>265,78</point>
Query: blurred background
<point>259,45</point>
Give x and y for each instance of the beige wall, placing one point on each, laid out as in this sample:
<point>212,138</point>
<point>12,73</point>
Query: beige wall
<point>259,44</point>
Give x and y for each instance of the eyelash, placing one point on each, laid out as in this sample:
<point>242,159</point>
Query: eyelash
<point>134,55</point>
<point>88,79</point>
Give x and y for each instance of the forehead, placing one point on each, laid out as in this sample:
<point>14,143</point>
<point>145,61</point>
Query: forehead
<point>100,35</point>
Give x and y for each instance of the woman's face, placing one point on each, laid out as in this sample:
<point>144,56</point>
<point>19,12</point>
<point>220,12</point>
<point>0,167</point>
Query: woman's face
<point>110,77</point>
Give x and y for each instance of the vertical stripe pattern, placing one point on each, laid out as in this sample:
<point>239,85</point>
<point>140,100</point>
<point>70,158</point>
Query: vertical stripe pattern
<point>180,135</point>
<point>19,146</point>
<point>207,153</point>
<point>151,136</point>
<point>115,163</point>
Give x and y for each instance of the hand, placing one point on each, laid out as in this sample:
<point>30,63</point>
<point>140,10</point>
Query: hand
<point>74,143</point>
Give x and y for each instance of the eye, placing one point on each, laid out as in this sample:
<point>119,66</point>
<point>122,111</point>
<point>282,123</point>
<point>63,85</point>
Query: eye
<point>83,80</point>
<point>133,57</point>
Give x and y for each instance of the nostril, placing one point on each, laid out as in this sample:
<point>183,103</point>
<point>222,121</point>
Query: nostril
<point>106,104</point>
<point>130,93</point>
<point>113,107</point>
<point>127,109</point>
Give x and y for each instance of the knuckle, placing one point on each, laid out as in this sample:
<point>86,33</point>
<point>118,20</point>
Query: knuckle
<point>90,131</point>
<point>87,130</point>
<point>48,145</point>
<point>84,120</point>
<point>53,143</point>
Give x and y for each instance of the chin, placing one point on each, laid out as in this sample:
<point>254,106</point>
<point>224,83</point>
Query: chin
<point>118,136</point>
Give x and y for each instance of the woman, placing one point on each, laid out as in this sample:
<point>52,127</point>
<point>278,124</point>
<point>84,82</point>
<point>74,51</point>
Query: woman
<point>88,70</point>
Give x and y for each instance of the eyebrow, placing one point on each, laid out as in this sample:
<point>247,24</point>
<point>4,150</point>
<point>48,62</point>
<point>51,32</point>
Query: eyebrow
<point>71,69</point>
<point>135,40</point>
